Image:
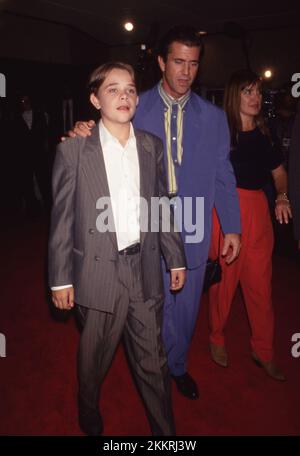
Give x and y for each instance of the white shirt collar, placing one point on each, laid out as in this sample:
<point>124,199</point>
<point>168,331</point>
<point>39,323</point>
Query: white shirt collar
<point>106,137</point>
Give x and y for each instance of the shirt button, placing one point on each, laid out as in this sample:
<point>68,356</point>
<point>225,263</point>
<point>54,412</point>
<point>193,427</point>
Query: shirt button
<point>91,231</point>
<point>174,117</point>
<point>97,258</point>
<point>175,161</point>
<point>174,138</point>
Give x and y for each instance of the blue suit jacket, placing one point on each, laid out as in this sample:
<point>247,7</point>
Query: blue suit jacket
<point>205,171</point>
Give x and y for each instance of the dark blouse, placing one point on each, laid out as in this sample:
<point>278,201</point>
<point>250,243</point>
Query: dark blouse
<point>252,158</point>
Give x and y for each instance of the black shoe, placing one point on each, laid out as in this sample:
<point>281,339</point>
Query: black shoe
<point>90,421</point>
<point>186,385</point>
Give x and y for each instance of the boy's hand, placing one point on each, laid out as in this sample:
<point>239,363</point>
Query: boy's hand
<point>63,299</point>
<point>177,279</point>
<point>81,129</point>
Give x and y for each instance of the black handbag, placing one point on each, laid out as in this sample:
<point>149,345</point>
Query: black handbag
<point>213,271</point>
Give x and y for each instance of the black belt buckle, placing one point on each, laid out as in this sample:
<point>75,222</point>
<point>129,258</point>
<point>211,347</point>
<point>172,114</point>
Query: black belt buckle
<point>131,250</point>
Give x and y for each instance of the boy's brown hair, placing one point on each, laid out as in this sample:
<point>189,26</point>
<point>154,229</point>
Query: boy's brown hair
<point>99,74</point>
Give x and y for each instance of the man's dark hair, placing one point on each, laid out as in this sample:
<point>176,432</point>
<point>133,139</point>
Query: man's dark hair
<point>183,34</point>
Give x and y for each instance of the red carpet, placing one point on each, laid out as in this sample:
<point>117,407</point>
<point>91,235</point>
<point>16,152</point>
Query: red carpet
<point>38,376</point>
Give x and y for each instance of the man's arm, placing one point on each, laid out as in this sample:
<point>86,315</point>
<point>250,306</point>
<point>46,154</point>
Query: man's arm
<point>171,243</point>
<point>226,197</point>
<point>61,231</point>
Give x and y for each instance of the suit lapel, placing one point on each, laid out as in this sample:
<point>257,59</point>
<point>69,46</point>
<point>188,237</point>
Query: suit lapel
<point>145,157</point>
<point>94,169</point>
<point>194,139</point>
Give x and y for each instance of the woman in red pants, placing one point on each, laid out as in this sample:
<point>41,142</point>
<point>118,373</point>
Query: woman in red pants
<point>253,157</point>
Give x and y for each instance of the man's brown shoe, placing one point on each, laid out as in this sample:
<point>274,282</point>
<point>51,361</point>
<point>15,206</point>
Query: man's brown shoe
<point>270,368</point>
<point>219,355</point>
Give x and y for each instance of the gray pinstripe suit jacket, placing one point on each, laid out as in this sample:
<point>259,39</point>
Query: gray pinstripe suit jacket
<point>78,252</point>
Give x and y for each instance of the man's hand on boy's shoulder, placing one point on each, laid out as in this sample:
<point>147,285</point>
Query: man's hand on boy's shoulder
<point>63,299</point>
<point>80,129</point>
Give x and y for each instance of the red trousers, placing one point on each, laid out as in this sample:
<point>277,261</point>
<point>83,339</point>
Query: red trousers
<point>253,269</point>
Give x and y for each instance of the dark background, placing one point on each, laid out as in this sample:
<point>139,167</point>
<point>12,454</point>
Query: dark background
<point>45,44</point>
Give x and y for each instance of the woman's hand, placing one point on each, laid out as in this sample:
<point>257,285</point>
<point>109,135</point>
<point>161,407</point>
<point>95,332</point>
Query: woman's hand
<point>283,210</point>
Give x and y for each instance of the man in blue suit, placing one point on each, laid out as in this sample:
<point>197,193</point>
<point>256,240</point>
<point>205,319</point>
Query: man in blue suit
<point>196,144</point>
<point>196,141</point>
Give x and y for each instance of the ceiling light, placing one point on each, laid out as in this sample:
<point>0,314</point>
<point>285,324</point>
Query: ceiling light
<point>128,26</point>
<point>268,74</point>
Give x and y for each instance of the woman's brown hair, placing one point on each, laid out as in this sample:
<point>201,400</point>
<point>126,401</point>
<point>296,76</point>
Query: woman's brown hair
<point>232,100</point>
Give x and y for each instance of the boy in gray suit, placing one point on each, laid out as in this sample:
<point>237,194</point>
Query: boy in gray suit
<point>104,256</point>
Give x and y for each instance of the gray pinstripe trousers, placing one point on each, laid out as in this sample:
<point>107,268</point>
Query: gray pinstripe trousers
<point>139,323</point>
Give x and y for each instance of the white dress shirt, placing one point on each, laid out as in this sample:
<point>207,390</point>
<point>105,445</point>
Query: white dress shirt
<point>123,176</point>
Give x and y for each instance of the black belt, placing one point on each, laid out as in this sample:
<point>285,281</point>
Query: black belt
<point>131,250</point>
